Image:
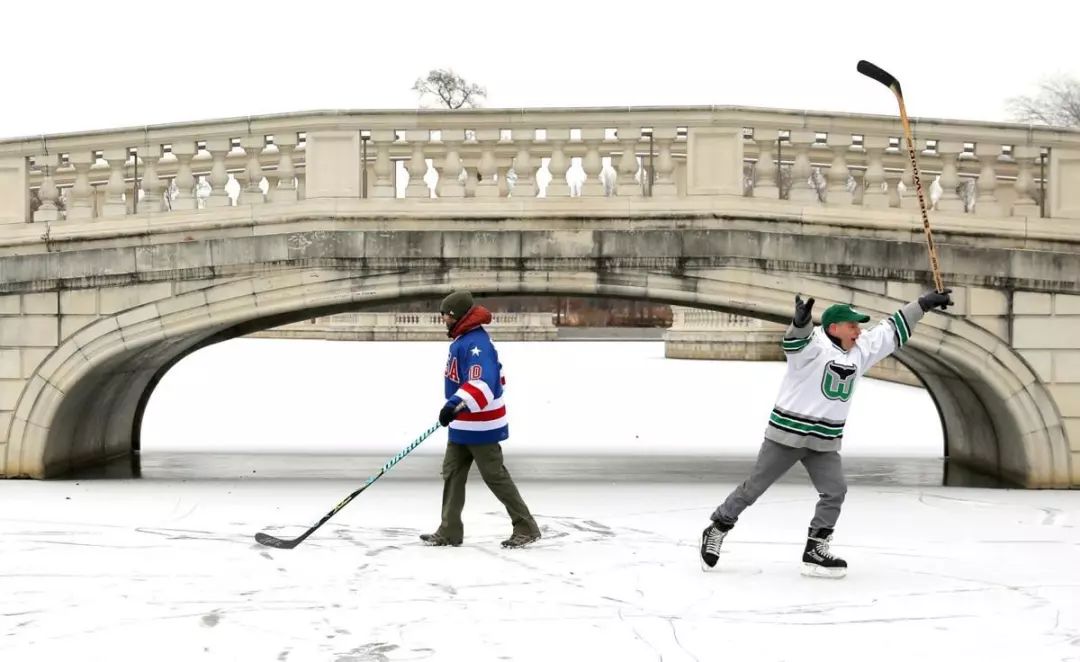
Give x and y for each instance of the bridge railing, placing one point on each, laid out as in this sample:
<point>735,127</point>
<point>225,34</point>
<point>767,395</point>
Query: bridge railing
<point>411,326</point>
<point>697,318</point>
<point>800,158</point>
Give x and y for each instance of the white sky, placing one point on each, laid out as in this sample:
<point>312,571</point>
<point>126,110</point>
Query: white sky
<point>96,65</point>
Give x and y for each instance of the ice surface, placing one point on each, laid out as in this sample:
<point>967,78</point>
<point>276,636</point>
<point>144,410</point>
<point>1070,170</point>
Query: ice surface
<point>168,570</point>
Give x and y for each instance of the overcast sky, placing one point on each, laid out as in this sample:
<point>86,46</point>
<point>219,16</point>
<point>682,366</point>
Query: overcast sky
<point>98,64</point>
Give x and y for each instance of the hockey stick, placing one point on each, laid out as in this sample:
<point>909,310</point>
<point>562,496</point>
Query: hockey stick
<point>280,543</point>
<point>888,80</point>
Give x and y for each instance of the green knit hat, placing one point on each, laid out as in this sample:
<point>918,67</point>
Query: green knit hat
<point>456,304</point>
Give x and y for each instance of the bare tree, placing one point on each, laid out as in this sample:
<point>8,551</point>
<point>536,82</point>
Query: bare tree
<point>1057,103</point>
<point>450,89</point>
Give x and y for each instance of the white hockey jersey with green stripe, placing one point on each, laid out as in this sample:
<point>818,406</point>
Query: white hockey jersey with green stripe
<point>816,393</point>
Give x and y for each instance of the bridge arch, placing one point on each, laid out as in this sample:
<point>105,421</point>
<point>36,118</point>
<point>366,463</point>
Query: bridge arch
<point>84,403</point>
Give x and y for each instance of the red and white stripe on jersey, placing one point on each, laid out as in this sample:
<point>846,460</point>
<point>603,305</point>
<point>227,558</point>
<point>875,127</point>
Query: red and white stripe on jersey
<point>476,394</point>
<point>490,418</point>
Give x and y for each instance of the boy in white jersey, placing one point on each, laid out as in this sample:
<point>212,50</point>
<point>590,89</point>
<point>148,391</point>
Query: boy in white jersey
<point>807,423</point>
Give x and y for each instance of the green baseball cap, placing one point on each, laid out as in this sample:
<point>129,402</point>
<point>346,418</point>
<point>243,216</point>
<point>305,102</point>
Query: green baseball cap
<point>841,312</point>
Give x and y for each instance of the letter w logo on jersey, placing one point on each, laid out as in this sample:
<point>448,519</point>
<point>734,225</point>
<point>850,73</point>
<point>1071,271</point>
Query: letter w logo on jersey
<point>838,381</point>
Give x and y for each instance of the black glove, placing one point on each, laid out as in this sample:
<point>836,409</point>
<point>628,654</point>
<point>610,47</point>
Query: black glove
<point>802,311</point>
<point>934,299</point>
<point>447,414</point>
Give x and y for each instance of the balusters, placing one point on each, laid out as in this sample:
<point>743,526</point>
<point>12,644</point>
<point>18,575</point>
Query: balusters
<point>470,161</point>
<point>417,165</point>
<point>663,185</point>
<point>219,175</point>
<point>283,182</point>
<point>384,167</point>
<point>503,183</point>
<point>766,184</point>
<point>186,195</point>
<point>875,196</point>
<point>301,168</point>
<point>986,202</point>
<point>114,205</point>
<point>838,172</point>
<point>488,167</point>
<point>153,199</point>
<point>626,184</point>
<point>524,170</point>
<point>801,188</point>
<point>592,163</point>
<point>70,183</point>
<point>910,198</point>
<point>950,201</point>
<point>47,193</point>
<point>559,164</point>
<point>450,184</point>
<point>252,193</point>
<point>1025,203</point>
<point>892,182</point>
<point>81,203</point>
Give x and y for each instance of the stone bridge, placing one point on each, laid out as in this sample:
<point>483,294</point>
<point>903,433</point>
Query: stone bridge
<point>122,251</point>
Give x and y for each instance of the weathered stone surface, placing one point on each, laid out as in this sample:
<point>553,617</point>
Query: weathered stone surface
<point>1004,368</point>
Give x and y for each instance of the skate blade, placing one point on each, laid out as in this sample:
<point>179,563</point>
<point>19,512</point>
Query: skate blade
<point>814,570</point>
<point>705,567</point>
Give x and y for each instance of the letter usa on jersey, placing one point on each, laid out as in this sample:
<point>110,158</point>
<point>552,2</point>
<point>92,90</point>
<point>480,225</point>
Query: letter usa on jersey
<point>473,375</point>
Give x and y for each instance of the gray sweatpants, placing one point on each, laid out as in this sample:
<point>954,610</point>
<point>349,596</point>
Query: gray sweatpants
<point>773,461</point>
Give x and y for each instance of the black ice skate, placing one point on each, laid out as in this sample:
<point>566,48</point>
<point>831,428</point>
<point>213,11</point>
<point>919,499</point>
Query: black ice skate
<point>711,539</point>
<point>818,561</point>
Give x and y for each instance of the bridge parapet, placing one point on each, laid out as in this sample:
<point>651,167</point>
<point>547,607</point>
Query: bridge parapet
<point>410,326</point>
<point>828,159</point>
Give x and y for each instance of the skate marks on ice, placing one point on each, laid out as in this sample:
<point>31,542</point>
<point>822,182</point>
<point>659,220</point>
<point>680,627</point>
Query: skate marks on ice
<point>212,619</point>
<point>616,570</point>
<point>588,586</point>
<point>1047,515</point>
<point>657,634</point>
<point>571,530</point>
<point>374,652</point>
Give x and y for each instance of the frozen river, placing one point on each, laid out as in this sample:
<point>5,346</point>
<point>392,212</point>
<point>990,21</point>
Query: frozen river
<point>621,455</point>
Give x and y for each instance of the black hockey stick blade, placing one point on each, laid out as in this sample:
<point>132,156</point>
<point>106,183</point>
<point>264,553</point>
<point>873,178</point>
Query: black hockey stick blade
<point>279,543</point>
<point>880,75</point>
<point>271,541</point>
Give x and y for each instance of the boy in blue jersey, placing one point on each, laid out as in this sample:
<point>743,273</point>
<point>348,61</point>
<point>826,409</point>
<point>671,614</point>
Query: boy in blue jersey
<point>476,417</point>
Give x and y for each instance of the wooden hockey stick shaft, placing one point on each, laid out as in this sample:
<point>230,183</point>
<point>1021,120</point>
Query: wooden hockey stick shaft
<point>938,284</point>
<point>888,80</point>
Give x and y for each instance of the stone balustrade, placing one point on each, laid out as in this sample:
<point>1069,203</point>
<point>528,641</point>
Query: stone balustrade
<point>827,159</point>
<point>686,319</point>
<point>411,326</point>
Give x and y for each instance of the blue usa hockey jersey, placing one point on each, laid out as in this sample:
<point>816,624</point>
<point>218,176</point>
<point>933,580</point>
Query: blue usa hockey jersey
<point>473,375</point>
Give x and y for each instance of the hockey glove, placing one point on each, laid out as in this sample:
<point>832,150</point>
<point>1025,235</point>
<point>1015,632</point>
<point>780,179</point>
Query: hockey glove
<point>934,299</point>
<point>802,311</point>
<point>449,413</point>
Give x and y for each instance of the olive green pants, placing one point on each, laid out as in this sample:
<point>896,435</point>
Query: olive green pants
<point>455,472</point>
